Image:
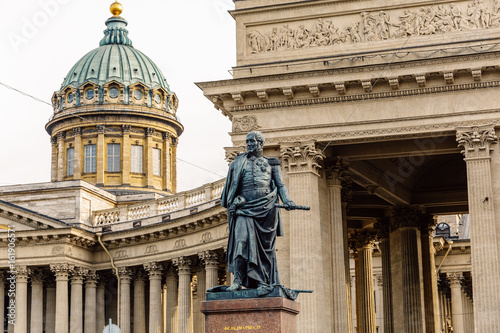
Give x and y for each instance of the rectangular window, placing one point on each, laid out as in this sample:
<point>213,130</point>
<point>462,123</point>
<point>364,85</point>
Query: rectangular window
<point>156,162</point>
<point>70,161</point>
<point>113,157</point>
<point>136,163</point>
<point>90,158</point>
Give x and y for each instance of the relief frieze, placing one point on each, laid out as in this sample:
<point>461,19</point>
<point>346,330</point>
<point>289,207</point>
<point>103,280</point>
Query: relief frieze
<point>377,26</point>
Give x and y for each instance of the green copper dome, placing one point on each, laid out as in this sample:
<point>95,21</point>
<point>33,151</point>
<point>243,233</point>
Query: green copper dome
<point>115,60</point>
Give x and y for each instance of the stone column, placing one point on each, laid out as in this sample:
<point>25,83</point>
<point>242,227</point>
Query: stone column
<point>100,155</point>
<point>172,299</point>
<point>90,302</point>
<point>22,273</point>
<point>477,143</point>
<point>154,271</point>
<point>139,302</point>
<point>60,155</point>
<point>126,154</point>
<point>149,157</point>
<point>78,153</point>
<point>166,162</point>
<point>457,309</point>
<point>431,305</point>
<point>184,268</point>
<point>301,161</point>
<point>36,302</point>
<point>101,306</point>
<point>385,249</point>
<point>211,261</point>
<point>338,279</point>
<point>125,278</point>
<point>76,314</point>
<point>62,271</point>
<point>50,310</point>
<point>364,281</point>
<point>406,267</point>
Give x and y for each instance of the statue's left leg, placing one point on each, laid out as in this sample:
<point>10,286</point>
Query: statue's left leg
<point>240,265</point>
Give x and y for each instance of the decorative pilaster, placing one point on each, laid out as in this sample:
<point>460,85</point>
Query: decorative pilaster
<point>60,156</point>
<point>167,162</point>
<point>77,172</point>
<point>101,305</point>
<point>428,224</point>
<point>36,302</point>
<point>126,154</point>
<point>172,299</point>
<point>139,302</point>
<point>53,161</point>
<point>22,273</point>
<point>50,314</point>
<point>301,161</point>
<point>338,227</point>
<point>100,155</point>
<point>154,270</point>
<point>184,269</point>
<point>407,261</point>
<point>125,278</point>
<point>76,317</point>
<point>149,157</point>
<point>173,157</point>
<point>457,309</point>
<point>62,272</point>
<point>478,144</point>
<point>363,241</point>
<point>90,315</point>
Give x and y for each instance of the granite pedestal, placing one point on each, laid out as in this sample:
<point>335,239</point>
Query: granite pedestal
<point>224,313</point>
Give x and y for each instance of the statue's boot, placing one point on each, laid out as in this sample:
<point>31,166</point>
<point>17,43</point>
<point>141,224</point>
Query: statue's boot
<point>240,266</point>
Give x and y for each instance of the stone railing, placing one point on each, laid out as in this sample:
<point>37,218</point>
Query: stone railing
<point>179,201</point>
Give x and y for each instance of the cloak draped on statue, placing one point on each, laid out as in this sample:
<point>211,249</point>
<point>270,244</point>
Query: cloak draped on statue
<point>253,228</point>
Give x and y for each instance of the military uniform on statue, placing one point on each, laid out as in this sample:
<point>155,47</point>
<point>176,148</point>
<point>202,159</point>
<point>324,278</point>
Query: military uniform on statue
<point>251,191</point>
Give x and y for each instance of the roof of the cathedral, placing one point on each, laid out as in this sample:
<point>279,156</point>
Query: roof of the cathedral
<point>115,60</point>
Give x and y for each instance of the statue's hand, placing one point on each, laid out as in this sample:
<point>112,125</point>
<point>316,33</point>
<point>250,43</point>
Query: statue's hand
<point>290,205</point>
<point>239,201</point>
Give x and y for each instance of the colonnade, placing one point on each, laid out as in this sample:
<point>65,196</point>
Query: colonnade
<point>155,297</point>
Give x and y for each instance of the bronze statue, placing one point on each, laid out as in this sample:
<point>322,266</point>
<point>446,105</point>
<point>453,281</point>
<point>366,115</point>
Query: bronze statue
<point>250,195</point>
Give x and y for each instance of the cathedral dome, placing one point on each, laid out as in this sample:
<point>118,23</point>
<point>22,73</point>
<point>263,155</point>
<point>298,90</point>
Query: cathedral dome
<point>115,60</point>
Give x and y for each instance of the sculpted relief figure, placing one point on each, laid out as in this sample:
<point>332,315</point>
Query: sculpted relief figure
<point>376,26</point>
<point>253,186</point>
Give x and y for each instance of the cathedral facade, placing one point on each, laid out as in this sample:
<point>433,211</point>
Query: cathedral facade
<point>384,116</point>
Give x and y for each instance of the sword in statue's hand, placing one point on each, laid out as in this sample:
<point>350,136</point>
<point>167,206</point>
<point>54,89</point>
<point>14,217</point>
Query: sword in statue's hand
<point>292,207</point>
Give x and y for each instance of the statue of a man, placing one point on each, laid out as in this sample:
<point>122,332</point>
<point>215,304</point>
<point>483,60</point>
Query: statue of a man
<point>252,187</point>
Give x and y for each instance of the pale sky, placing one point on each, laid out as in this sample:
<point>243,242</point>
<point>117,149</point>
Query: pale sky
<point>189,40</point>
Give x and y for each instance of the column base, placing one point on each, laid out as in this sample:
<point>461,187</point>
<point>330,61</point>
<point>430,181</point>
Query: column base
<point>268,314</point>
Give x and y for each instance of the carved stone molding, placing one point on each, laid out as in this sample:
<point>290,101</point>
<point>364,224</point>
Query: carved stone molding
<point>209,258</point>
<point>302,157</point>
<point>125,273</point>
<point>245,124</point>
<point>154,269</point>
<point>62,270</point>
<point>232,152</point>
<point>455,278</point>
<point>363,239</point>
<point>335,172</point>
<point>183,265</point>
<point>407,216</point>
<point>92,278</point>
<point>476,140</point>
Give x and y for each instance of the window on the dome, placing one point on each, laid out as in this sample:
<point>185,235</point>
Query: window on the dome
<point>70,161</point>
<point>158,98</point>
<point>89,94</point>
<point>156,162</point>
<point>137,94</point>
<point>90,158</point>
<point>113,93</point>
<point>71,98</point>
<point>113,157</point>
<point>136,160</point>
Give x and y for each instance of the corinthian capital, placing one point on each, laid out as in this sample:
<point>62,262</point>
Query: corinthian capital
<point>476,141</point>
<point>302,157</point>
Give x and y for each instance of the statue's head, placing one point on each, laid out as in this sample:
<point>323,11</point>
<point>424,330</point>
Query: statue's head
<point>255,142</point>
